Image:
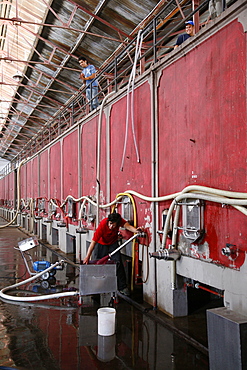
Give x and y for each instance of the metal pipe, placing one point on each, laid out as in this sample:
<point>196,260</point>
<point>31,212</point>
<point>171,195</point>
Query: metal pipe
<point>104,259</point>
<point>155,174</point>
<point>166,254</point>
<point>173,275</point>
<point>198,286</point>
<point>125,243</point>
<point>174,242</point>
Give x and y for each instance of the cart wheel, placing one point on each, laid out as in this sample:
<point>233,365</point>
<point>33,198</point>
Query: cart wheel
<point>52,272</point>
<point>45,284</point>
<point>52,280</point>
<point>45,276</point>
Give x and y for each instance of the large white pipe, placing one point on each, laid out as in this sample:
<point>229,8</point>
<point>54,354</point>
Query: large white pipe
<point>218,196</point>
<point>205,189</point>
<point>207,197</point>
<point>192,188</point>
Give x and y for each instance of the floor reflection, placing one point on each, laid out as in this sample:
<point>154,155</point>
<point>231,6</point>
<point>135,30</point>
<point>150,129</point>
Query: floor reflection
<point>61,334</point>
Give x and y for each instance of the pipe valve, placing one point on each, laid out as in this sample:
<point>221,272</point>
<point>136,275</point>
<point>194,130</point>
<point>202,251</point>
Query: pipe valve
<point>81,230</point>
<point>230,251</point>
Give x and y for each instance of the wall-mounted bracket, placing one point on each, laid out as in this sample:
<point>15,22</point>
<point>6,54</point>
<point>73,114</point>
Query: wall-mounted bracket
<point>193,219</point>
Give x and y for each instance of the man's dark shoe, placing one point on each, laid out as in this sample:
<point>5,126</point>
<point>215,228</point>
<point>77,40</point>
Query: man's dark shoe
<point>125,291</point>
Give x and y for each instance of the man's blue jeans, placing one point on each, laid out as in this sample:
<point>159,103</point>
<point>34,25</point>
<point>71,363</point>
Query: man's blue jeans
<point>94,101</point>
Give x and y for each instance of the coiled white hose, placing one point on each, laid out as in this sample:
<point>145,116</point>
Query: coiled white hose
<point>36,298</point>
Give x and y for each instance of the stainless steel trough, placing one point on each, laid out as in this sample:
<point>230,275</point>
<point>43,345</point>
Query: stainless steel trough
<point>97,279</point>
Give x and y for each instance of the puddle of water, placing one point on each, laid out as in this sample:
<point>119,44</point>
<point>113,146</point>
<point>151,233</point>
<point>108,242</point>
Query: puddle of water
<point>61,335</point>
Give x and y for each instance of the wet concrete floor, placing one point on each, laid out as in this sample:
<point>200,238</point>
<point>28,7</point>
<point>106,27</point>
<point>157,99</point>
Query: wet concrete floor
<point>61,334</point>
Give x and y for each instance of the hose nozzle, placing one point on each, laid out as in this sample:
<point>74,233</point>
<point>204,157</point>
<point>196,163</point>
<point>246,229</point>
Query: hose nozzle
<point>166,254</point>
<point>141,234</point>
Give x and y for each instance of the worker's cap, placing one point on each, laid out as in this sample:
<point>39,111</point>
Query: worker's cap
<point>190,22</point>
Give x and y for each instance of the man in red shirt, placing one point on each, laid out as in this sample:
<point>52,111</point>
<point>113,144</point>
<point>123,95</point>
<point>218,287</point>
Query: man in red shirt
<point>106,239</point>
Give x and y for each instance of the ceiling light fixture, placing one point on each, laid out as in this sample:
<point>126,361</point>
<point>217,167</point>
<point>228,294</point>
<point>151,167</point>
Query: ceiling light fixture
<point>17,76</point>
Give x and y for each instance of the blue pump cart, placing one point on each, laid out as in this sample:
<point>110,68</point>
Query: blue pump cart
<point>37,266</point>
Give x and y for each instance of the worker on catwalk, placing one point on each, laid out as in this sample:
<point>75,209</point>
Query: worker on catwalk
<point>87,75</point>
<point>105,239</point>
<point>190,31</point>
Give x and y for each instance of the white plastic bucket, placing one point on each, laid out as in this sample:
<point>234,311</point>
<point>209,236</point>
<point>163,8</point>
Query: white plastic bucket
<point>106,321</point>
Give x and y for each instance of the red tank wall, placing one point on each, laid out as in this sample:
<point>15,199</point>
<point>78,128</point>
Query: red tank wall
<point>44,166</point>
<point>134,175</point>
<point>35,178</point>
<point>11,187</point>
<point>88,155</point>
<point>70,164</point>
<point>201,117</point>
<point>105,146</point>
<point>55,171</point>
<point>23,182</point>
<point>29,179</point>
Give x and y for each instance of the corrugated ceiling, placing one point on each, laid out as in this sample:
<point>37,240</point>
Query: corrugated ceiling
<point>42,40</point>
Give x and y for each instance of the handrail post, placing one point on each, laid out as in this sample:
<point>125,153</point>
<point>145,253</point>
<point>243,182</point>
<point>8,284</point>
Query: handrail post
<point>154,41</point>
<point>195,4</point>
<point>115,74</point>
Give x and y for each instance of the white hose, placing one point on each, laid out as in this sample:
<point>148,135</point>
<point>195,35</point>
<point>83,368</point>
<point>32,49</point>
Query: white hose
<point>218,197</point>
<point>81,210</point>
<point>99,156</point>
<point>167,224</point>
<point>204,189</point>
<point>89,200</point>
<point>191,188</point>
<point>138,51</point>
<point>132,81</point>
<point>153,199</point>
<point>36,298</point>
<point>212,198</point>
<point>175,229</point>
